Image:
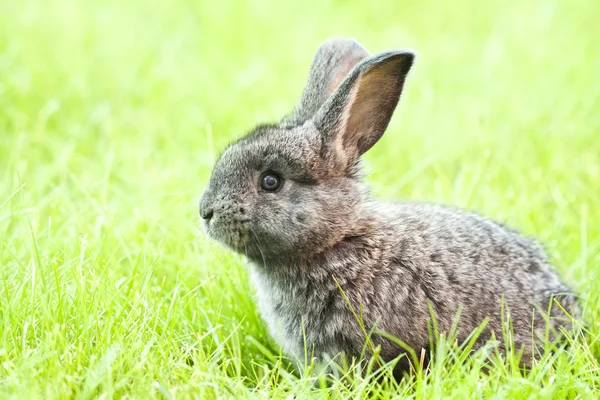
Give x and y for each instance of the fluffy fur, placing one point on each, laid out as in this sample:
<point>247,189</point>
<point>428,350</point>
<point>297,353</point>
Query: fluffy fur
<point>394,261</point>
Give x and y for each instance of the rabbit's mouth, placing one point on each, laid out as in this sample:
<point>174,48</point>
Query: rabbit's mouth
<point>234,234</point>
<point>241,240</point>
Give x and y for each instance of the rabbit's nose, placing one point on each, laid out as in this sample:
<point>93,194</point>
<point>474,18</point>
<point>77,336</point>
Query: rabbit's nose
<point>207,214</point>
<point>205,209</point>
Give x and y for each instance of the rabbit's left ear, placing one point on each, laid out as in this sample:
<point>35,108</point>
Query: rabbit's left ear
<point>333,60</point>
<point>357,114</point>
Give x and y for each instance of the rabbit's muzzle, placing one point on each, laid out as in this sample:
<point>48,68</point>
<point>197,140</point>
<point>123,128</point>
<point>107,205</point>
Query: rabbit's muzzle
<point>225,221</point>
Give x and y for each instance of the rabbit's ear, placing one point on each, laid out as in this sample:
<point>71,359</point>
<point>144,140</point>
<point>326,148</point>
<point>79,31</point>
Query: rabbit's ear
<point>333,60</point>
<point>357,114</point>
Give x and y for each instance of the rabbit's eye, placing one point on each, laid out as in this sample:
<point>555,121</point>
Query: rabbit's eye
<point>270,181</point>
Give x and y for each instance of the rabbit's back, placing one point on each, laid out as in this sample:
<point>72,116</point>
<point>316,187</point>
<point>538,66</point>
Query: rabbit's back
<point>454,260</point>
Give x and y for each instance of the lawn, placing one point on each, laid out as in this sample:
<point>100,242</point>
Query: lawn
<point>112,114</point>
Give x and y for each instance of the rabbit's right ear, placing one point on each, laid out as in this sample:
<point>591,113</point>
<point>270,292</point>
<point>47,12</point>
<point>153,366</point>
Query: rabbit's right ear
<point>333,60</point>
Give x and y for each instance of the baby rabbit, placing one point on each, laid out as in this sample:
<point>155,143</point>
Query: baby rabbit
<point>290,196</point>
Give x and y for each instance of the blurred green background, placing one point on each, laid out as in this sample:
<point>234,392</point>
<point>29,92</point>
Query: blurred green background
<point>111,116</point>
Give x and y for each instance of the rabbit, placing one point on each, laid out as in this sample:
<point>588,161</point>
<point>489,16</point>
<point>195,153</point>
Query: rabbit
<point>329,262</point>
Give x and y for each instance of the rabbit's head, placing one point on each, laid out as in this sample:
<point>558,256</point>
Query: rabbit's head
<point>291,190</point>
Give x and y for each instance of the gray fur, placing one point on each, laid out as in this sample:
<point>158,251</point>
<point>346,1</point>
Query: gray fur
<point>392,260</point>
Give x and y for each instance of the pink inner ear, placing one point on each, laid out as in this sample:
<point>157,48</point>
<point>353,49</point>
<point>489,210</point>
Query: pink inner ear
<point>370,107</point>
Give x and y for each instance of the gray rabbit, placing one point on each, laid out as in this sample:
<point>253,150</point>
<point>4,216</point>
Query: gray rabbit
<point>290,196</point>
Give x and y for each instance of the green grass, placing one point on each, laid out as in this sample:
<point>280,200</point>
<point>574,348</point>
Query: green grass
<point>111,115</point>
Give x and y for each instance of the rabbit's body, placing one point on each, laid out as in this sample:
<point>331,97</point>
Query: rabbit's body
<point>411,256</point>
<point>290,197</point>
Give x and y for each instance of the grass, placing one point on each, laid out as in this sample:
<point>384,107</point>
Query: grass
<point>111,115</point>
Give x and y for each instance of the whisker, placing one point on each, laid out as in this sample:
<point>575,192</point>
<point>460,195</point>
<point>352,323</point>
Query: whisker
<point>255,238</point>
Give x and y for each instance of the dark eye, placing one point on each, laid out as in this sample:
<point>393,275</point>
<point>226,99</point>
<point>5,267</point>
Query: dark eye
<point>270,181</point>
